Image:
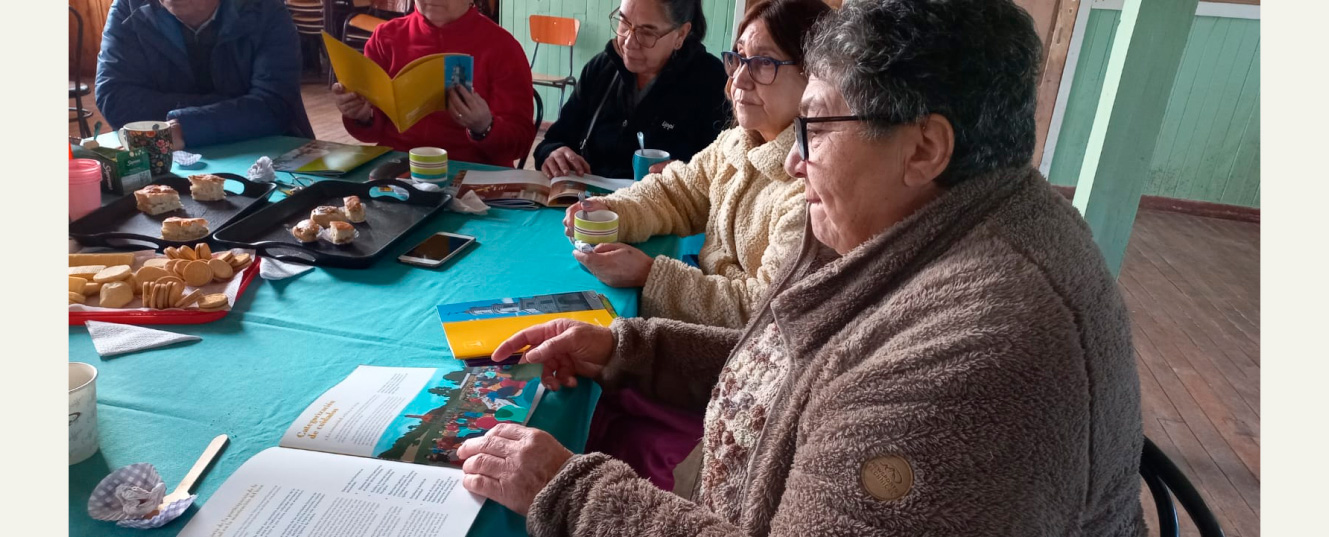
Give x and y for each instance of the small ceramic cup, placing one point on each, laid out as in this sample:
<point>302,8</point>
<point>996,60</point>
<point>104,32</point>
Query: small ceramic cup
<point>429,164</point>
<point>153,137</point>
<point>595,227</point>
<point>643,159</point>
<point>82,411</point>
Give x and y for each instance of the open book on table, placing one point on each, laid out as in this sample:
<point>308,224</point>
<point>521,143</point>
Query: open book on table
<point>374,455</point>
<point>530,189</point>
<point>413,94</point>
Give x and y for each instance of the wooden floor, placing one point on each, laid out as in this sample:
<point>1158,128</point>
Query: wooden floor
<point>1192,286</point>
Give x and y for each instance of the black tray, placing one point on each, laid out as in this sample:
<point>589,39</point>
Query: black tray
<point>387,220</point>
<point>121,224</point>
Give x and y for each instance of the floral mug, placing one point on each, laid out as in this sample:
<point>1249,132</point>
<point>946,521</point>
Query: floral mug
<point>154,138</point>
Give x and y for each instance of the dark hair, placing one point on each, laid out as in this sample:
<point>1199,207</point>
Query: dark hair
<point>788,22</point>
<point>684,11</point>
<point>974,62</point>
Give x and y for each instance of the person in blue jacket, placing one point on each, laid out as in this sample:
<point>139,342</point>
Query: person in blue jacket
<point>216,71</point>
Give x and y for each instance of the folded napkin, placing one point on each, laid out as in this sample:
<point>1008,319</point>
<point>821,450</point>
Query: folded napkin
<point>468,203</point>
<point>186,159</point>
<point>112,339</point>
<point>272,269</point>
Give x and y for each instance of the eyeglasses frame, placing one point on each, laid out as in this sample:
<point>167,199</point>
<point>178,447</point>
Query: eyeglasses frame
<point>616,16</point>
<point>744,60</point>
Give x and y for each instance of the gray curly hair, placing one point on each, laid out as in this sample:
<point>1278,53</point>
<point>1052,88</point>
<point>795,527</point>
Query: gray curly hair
<point>974,62</point>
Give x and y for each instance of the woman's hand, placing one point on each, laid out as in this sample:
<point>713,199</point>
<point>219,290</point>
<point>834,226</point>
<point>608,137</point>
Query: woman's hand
<point>564,161</point>
<point>588,205</point>
<point>510,464</point>
<point>659,166</point>
<point>469,109</point>
<point>352,105</point>
<point>568,349</point>
<point>617,264</point>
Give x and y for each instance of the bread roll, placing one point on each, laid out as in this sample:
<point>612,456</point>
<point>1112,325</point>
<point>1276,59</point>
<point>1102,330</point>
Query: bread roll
<point>207,187</point>
<point>157,199</point>
<point>341,233</point>
<point>325,215</point>
<point>184,229</point>
<point>353,209</point>
<point>305,231</point>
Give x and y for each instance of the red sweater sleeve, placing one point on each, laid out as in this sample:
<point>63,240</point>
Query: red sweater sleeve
<point>511,101</point>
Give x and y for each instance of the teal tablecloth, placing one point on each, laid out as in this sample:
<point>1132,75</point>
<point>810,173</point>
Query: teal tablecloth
<point>288,341</point>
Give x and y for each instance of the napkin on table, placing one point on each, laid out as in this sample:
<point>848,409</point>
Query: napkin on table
<point>113,339</point>
<point>272,269</point>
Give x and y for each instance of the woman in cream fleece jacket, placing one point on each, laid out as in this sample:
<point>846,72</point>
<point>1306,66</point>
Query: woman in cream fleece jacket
<point>736,190</point>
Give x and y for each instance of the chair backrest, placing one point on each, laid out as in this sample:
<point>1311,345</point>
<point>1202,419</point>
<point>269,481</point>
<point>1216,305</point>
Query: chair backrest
<point>76,68</point>
<point>561,31</point>
<point>1165,480</point>
<point>539,118</point>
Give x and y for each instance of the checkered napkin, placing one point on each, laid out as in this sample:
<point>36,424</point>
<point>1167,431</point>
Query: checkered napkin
<point>272,269</point>
<point>112,339</point>
<point>130,493</point>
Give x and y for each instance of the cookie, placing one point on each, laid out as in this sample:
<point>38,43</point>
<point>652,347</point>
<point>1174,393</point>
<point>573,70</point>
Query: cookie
<point>86,271</point>
<point>213,302</point>
<point>159,262</point>
<point>76,298</point>
<point>116,295</point>
<point>171,252</point>
<point>76,284</point>
<point>177,290</point>
<point>187,253</point>
<point>150,274</point>
<point>203,251</point>
<point>112,274</point>
<point>161,297</point>
<point>145,292</point>
<point>221,270</point>
<point>189,299</point>
<point>167,280</point>
<point>226,256</point>
<point>91,287</point>
<point>106,260</point>
<point>241,260</point>
<point>197,273</point>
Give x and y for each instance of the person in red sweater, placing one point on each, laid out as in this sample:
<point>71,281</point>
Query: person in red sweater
<point>492,125</point>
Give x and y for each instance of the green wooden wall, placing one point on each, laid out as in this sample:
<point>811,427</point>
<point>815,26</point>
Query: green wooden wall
<point>595,33</point>
<point>1209,147</point>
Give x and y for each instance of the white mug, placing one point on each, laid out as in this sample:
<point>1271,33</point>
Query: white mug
<point>82,411</point>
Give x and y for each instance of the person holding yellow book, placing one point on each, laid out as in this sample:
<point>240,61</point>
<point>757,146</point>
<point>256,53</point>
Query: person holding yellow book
<point>489,123</point>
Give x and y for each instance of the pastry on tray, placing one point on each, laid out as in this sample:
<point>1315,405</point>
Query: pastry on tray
<point>326,214</point>
<point>157,199</point>
<point>354,209</point>
<point>184,229</point>
<point>341,232</point>
<point>305,231</point>
<point>207,187</point>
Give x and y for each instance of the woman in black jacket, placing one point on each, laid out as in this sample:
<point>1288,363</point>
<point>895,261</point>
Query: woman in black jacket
<point>653,77</point>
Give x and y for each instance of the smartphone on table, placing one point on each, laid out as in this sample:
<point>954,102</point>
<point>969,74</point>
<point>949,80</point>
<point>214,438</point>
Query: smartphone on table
<point>437,250</point>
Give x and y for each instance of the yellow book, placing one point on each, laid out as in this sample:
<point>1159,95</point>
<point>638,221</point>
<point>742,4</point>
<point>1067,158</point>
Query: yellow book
<point>419,89</point>
<point>478,339</point>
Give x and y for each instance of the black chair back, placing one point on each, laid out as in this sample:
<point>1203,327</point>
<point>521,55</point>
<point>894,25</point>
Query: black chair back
<point>539,118</point>
<point>1165,481</point>
<point>76,90</point>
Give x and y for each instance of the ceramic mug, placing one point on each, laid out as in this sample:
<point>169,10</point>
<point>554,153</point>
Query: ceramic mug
<point>643,159</point>
<point>154,138</point>
<point>82,411</point>
<point>429,164</point>
<point>595,227</point>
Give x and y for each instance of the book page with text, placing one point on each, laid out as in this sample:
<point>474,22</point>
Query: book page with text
<point>352,417</point>
<point>294,493</point>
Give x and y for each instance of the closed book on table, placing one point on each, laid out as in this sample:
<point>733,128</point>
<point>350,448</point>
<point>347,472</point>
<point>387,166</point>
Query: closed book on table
<point>475,329</point>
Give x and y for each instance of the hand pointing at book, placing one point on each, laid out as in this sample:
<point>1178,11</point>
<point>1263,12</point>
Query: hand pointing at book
<point>568,349</point>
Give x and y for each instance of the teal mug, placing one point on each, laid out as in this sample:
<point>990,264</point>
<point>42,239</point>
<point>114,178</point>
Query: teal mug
<point>643,159</point>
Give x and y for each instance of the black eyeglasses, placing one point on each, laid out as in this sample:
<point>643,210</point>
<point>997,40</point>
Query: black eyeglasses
<point>762,69</point>
<point>622,28</point>
<point>801,129</point>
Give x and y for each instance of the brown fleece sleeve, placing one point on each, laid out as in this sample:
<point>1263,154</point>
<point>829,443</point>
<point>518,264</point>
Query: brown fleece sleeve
<point>671,362</point>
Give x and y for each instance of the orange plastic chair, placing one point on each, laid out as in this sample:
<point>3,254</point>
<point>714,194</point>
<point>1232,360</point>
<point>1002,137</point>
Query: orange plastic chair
<point>559,32</point>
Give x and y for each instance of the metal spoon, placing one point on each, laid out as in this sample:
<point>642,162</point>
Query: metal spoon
<point>641,140</point>
<point>182,490</point>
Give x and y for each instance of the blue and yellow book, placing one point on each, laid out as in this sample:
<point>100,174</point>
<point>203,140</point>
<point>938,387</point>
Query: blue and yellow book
<point>474,329</point>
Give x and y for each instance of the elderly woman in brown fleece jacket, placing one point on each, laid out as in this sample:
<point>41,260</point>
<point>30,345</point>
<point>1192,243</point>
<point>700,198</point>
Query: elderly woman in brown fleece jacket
<point>948,354</point>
